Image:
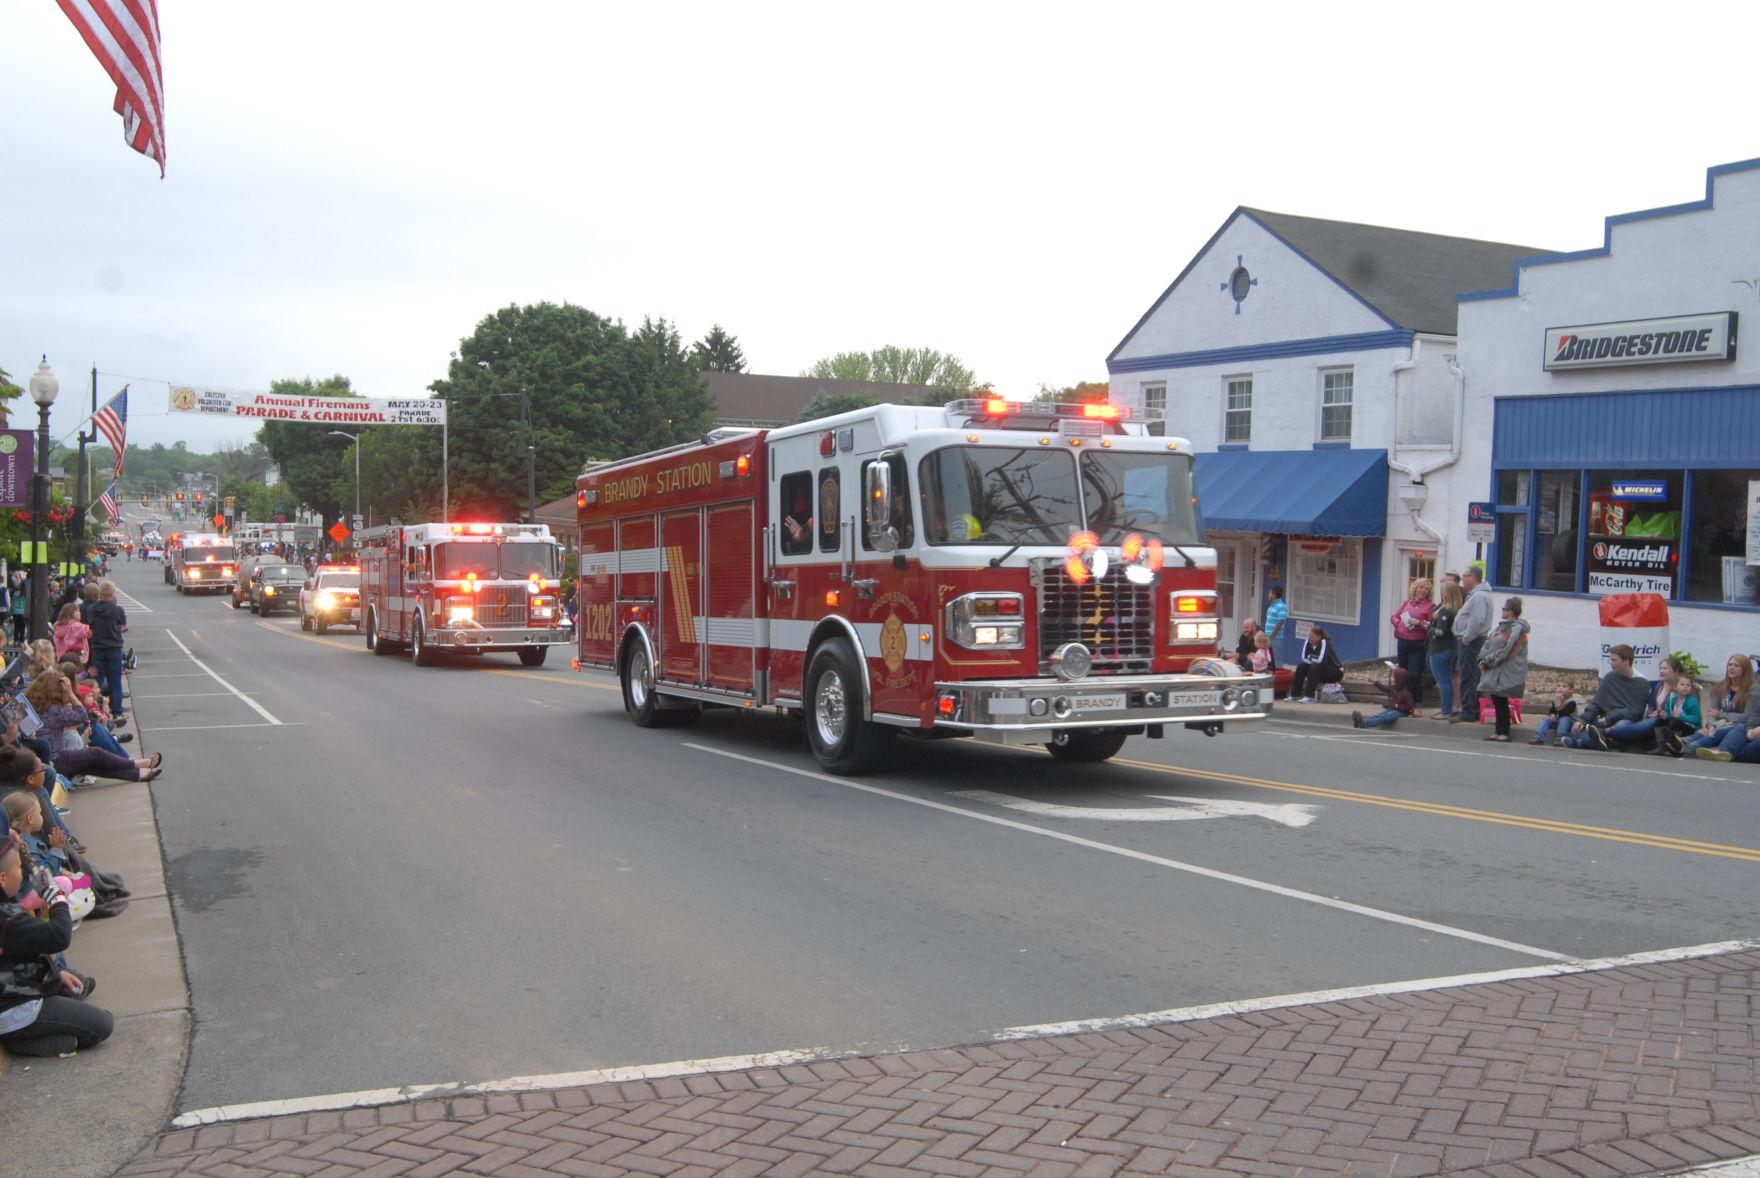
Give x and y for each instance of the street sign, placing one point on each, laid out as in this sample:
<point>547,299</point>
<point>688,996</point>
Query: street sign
<point>337,532</point>
<point>280,519</point>
<point>359,523</point>
<point>219,521</point>
<point>1481,523</point>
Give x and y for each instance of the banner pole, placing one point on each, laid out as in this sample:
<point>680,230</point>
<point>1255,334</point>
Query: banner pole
<point>445,473</point>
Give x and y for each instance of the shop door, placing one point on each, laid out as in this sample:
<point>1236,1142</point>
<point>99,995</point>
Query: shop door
<point>1237,577</point>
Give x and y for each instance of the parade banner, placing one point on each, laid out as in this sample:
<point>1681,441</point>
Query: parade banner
<point>319,410</point>
<point>17,448</point>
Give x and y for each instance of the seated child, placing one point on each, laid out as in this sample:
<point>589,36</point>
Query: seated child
<point>1557,724</point>
<point>1399,703</point>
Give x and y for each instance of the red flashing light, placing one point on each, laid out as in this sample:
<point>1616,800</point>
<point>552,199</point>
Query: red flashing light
<point>1188,605</point>
<point>1133,546</point>
<point>580,499</point>
<point>742,465</point>
<point>827,444</point>
<point>1008,606</point>
<point>481,529</point>
<point>946,705</point>
<point>831,598</point>
<point>1104,412</point>
<point>1076,570</point>
<point>999,406</point>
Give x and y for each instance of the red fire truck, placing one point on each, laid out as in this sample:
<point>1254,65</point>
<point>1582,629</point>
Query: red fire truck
<point>1016,572</point>
<point>199,562</point>
<point>476,587</point>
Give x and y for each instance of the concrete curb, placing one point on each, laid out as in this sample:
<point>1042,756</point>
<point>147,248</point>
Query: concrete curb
<point>126,1089</point>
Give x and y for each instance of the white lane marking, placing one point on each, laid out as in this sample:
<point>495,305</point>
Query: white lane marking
<point>1186,1014</point>
<point>256,707</point>
<point>1145,857</point>
<point>1187,809</point>
<point>618,1075</point>
<point>158,728</point>
<point>133,603</point>
<point>372,1097</point>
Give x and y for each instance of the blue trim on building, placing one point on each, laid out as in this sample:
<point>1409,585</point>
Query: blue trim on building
<point>1239,212</point>
<point>1295,492</point>
<point>1647,429</point>
<point>1606,248</point>
<point>1368,341</point>
<point>1342,285</point>
<point>1233,448</point>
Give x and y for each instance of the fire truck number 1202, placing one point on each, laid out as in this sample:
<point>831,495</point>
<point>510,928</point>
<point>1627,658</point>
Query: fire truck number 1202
<point>596,622</point>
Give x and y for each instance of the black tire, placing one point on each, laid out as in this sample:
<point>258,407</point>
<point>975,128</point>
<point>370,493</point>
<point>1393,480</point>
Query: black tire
<point>419,650</point>
<point>533,656</point>
<point>1085,746</point>
<point>253,605</point>
<point>377,642</point>
<point>265,610</point>
<point>321,625</point>
<point>841,740</point>
<point>636,676</point>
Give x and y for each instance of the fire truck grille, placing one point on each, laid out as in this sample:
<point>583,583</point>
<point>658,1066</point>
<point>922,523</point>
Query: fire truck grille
<point>1113,618</point>
<point>501,607</point>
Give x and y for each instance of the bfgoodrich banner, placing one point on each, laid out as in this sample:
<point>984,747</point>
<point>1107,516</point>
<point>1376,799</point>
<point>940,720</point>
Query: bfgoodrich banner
<point>318,410</point>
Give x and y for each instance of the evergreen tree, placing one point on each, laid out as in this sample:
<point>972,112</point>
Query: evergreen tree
<point>718,352</point>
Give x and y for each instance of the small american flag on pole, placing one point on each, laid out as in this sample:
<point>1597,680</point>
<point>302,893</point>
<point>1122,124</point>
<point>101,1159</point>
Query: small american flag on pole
<point>112,422</point>
<point>124,36</point>
<point>108,502</point>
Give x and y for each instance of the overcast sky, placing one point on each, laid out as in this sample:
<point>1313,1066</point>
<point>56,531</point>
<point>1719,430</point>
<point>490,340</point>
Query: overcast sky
<point>352,186</point>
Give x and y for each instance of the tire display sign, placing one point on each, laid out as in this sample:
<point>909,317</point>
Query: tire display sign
<point>1631,565</point>
<point>1676,340</point>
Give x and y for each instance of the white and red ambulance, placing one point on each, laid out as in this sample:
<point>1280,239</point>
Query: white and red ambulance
<point>470,587</point>
<point>1014,572</point>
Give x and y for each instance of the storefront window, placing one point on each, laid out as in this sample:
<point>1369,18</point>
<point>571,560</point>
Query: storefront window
<point>1512,549</point>
<point>1325,578</point>
<point>1512,488</point>
<point>1634,531</point>
<point>1557,528</point>
<point>1717,567</point>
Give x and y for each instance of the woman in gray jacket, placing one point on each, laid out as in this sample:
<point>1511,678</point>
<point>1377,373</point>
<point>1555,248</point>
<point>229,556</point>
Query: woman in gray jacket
<point>1503,665</point>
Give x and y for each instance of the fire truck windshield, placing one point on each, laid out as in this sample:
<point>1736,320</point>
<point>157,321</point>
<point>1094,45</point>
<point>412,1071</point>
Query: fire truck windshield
<point>1149,494</point>
<point>516,561</point>
<point>205,555</point>
<point>999,495</point>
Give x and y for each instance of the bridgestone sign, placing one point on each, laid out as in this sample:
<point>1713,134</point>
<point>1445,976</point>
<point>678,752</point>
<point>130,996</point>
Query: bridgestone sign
<point>319,410</point>
<point>1676,340</point>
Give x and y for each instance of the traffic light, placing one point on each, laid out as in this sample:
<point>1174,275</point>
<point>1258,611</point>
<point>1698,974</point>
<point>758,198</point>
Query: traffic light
<point>198,496</point>
<point>180,496</point>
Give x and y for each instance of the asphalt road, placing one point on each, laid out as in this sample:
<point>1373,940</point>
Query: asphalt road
<point>385,875</point>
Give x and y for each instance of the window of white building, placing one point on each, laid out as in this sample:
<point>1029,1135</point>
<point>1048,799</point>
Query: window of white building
<point>1155,399</point>
<point>1337,390</point>
<point>1325,579</point>
<point>1237,410</point>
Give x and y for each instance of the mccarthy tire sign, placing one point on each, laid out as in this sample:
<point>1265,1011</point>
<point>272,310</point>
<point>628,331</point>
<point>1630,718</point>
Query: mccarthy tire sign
<point>1631,566</point>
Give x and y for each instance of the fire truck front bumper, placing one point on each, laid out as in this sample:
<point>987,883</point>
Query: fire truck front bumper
<point>1027,711</point>
<point>500,637</point>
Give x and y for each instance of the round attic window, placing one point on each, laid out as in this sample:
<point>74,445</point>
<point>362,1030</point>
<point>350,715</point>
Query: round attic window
<point>1240,283</point>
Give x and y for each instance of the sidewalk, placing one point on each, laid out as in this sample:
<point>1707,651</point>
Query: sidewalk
<point>89,1114</point>
<point>1636,1069</point>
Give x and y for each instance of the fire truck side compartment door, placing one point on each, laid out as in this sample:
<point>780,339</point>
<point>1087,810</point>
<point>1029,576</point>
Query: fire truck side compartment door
<point>675,629</point>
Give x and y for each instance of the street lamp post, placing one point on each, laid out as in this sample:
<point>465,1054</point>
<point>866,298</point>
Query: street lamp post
<point>44,386</point>
<point>356,439</point>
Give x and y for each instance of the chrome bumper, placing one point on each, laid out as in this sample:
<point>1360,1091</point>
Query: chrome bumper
<point>1005,708</point>
<point>507,638</point>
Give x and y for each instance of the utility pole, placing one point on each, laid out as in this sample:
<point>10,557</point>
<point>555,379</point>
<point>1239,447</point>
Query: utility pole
<point>530,452</point>
<point>81,491</point>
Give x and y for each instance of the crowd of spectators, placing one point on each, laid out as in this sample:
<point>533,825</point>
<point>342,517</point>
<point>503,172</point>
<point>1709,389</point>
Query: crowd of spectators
<point>62,700</point>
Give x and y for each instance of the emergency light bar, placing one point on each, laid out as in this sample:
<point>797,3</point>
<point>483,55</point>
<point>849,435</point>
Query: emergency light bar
<point>1000,408</point>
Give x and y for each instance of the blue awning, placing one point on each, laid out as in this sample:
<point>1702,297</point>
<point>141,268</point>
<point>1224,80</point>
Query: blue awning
<point>1300,492</point>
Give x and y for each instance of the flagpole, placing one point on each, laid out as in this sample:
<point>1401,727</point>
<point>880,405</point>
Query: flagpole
<point>82,490</point>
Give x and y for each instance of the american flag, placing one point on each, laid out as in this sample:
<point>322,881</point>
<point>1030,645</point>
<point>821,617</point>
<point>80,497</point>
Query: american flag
<point>124,36</point>
<point>108,502</point>
<point>112,422</point>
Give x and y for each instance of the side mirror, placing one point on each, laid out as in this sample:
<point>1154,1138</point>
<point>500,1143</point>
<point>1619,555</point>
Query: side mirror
<point>877,504</point>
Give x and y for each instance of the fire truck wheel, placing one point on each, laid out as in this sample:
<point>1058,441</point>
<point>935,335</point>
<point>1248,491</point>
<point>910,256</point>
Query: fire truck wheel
<point>377,642</point>
<point>532,656</point>
<point>1084,746</point>
<point>841,740</point>
<point>419,650</point>
<point>640,699</point>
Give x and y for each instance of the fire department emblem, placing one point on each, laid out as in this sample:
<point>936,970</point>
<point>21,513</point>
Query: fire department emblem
<point>892,643</point>
<point>183,399</point>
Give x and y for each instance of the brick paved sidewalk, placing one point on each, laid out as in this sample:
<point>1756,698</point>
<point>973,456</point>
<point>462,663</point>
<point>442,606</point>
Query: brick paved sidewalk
<point>1632,1070</point>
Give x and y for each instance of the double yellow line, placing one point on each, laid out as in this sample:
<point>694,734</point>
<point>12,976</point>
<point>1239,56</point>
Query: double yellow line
<point>1547,825</point>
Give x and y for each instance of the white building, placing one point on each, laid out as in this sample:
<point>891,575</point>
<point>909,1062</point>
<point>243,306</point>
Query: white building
<point>1312,365</point>
<point>1615,424</point>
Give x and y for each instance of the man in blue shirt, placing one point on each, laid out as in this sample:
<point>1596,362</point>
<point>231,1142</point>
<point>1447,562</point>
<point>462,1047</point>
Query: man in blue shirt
<point>1276,618</point>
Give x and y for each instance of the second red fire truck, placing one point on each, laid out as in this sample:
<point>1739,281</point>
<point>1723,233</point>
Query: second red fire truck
<point>1015,572</point>
<point>465,587</point>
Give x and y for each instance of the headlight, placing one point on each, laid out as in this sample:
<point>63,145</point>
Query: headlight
<point>459,609</point>
<point>326,599</point>
<point>1195,632</point>
<point>987,621</point>
<point>268,590</point>
<point>195,574</point>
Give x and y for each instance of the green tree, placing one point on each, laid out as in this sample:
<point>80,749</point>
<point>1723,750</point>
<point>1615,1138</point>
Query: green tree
<point>593,389</point>
<point>893,365</point>
<point>307,453</point>
<point>827,404</point>
<point>718,352</point>
<point>1082,392</point>
<point>9,392</point>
